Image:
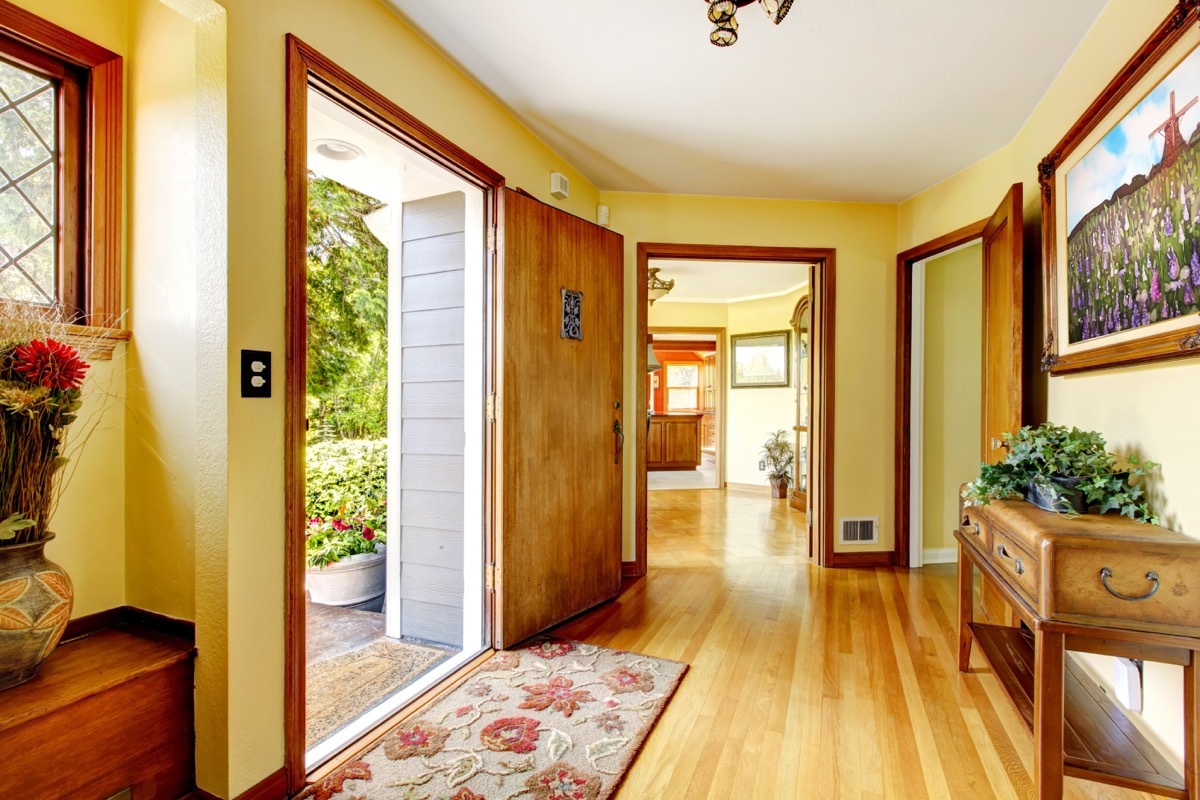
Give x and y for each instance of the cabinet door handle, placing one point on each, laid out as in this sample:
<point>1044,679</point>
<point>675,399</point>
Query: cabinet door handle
<point>620,440</point>
<point>1106,573</point>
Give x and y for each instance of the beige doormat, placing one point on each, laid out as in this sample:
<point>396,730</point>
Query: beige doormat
<point>338,690</point>
<point>558,720</point>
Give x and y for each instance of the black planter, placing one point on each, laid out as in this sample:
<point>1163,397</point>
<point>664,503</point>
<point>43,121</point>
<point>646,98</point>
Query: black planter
<point>1067,500</point>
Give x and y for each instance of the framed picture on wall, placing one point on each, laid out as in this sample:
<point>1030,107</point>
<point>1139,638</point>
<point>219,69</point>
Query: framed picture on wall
<point>761,360</point>
<point>1121,214</point>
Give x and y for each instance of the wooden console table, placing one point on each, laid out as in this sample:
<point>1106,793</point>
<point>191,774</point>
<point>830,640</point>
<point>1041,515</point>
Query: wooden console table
<point>1093,584</point>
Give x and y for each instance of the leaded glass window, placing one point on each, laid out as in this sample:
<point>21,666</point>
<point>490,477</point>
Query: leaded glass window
<point>29,167</point>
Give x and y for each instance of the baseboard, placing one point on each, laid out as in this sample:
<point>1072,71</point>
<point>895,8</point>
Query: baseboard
<point>134,618</point>
<point>630,569</point>
<point>748,487</point>
<point>881,558</point>
<point>272,787</point>
<point>940,555</point>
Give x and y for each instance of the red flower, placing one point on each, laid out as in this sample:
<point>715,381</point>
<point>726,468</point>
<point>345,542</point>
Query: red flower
<point>466,794</point>
<point>368,534</point>
<point>556,694</point>
<point>50,364</point>
<point>340,525</point>
<point>511,734</point>
<point>415,739</point>
<point>551,648</point>
<point>628,680</point>
<point>561,781</point>
<point>335,783</point>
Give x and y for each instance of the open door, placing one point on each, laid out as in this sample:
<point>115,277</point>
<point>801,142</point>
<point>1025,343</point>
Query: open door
<point>559,417</point>
<point>1002,334</point>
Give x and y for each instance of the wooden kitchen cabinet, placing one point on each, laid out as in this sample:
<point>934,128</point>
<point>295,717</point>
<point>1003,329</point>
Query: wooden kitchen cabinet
<point>673,442</point>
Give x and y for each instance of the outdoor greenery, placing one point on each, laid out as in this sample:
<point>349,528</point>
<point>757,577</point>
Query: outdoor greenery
<point>347,315</point>
<point>1038,456</point>
<point>345,499</point>
<point>778,454</point>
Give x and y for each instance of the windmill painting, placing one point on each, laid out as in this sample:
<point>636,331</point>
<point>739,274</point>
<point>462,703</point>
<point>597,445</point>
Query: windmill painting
<point>1133,215</point>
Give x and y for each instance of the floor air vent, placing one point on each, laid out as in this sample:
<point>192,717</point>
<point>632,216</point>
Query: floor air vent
<point>859,530</point>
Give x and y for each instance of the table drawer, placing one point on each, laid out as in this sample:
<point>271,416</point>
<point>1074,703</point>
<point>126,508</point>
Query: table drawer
<point>976,528</point>
<point>1133,586</point>
<point>1019,567</point>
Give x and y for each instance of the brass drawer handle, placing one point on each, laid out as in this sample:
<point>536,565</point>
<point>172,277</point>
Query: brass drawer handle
<point>1018,565</point>
<point>1106,573</point>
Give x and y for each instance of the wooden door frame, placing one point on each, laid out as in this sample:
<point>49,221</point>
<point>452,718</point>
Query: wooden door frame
<point>802,305</point>
<point>628,567</point>
<point>904,265</point>
<point>823,261</point>
<point>306,68</point>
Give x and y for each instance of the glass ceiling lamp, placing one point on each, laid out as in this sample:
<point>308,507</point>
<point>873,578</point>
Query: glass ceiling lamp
<point>652,364</point>
<point>656,287</point>
<point>722,15</point>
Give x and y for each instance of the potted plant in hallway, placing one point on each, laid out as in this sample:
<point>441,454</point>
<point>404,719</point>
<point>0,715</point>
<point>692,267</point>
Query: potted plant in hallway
<point>778,456</point>
<point>1065,470</point>
<point>346,536</point>
<point>40,397</point>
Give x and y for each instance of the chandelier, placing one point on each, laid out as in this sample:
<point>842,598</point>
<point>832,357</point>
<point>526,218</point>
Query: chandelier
<point>656,287</point>
<point>721,14</point>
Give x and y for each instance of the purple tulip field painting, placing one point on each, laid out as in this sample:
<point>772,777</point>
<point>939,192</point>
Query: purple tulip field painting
<point>1133,215</point>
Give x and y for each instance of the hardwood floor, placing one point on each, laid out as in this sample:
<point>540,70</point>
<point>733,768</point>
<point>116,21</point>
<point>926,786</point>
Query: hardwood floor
<point>806,683</point>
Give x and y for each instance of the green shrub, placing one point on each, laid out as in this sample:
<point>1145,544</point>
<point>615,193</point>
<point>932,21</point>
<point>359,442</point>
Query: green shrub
<point>345,499</point>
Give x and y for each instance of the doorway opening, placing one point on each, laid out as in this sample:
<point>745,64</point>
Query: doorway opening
<point>388,452</point>
<point>685,418</point>
<point>760,378</point>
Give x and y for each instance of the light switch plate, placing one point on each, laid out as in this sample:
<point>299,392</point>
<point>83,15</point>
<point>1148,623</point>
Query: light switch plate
<point>256,373</point>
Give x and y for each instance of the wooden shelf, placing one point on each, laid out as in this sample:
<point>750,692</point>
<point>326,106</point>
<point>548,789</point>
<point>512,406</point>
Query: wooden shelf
<point>1100,742</point>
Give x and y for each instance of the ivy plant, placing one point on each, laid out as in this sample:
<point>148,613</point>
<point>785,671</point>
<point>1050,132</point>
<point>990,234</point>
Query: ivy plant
<point>1049,455</point>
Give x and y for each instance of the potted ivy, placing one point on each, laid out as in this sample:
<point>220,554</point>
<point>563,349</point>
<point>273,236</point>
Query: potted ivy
<point>778,456</point>
<point>346,536</point>
<point>1065,470</point>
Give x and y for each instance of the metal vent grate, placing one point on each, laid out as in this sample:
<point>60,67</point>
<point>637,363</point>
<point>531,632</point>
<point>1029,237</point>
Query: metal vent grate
<point>859,530</point>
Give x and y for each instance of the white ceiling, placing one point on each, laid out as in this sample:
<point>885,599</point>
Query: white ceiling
<point>872,100</point>
<point>729,281</point>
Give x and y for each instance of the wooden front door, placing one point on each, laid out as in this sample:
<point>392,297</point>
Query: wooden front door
<point>559,437</point>
<point>1002,282</point>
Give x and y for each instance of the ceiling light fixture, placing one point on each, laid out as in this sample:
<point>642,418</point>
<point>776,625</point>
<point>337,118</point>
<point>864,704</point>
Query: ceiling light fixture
<point>656,287</point>
<point>721,13</point>
<point>338,150</point>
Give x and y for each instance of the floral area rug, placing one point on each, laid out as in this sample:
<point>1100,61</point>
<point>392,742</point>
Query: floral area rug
<point>342,688</point>
<point>557,720</point>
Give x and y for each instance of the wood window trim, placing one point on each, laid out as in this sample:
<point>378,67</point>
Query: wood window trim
<point>667,387</point>
<point>100,146</point>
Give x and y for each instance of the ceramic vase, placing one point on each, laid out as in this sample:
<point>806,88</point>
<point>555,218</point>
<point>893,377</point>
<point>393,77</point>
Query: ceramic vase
<point>36,597</point>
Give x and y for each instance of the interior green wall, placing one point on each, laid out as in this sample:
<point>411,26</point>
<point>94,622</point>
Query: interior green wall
<point>953,377</point>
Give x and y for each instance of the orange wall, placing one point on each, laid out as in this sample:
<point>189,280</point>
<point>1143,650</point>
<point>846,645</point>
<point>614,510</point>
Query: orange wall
<point>658,397</point>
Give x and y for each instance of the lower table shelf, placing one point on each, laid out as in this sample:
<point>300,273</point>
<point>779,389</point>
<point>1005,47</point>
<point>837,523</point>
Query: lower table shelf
<point>1100,742</point>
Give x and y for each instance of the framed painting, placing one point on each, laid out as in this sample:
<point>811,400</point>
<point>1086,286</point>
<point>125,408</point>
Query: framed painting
<point>1121,213</point>
<point>761,360</point>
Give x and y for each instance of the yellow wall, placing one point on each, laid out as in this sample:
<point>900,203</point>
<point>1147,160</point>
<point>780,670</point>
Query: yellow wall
<point>864,235</point>
<point>751,414</point>
<point>754,414</point>
<point>1136,409</point>
<point>90,519</point>
<point>953,376</point>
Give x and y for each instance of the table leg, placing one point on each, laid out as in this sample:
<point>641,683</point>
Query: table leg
<point>1048,725</point>
<point>966,608</point>
<point>1191,721</point>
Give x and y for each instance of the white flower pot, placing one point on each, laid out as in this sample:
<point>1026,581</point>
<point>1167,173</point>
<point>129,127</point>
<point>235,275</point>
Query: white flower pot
<point>358,581</point>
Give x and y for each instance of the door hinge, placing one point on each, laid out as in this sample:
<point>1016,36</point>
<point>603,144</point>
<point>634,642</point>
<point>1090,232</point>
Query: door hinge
<point>491,240</point>
<point>491,407</point>
<point>489,577</point>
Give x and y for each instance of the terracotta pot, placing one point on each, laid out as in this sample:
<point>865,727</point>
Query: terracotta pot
<point>355,582</point>
<point>779,487</point>
<point>36,597</point>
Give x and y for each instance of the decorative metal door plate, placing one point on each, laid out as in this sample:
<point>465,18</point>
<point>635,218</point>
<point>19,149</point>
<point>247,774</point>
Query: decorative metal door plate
<point>572,315</point>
